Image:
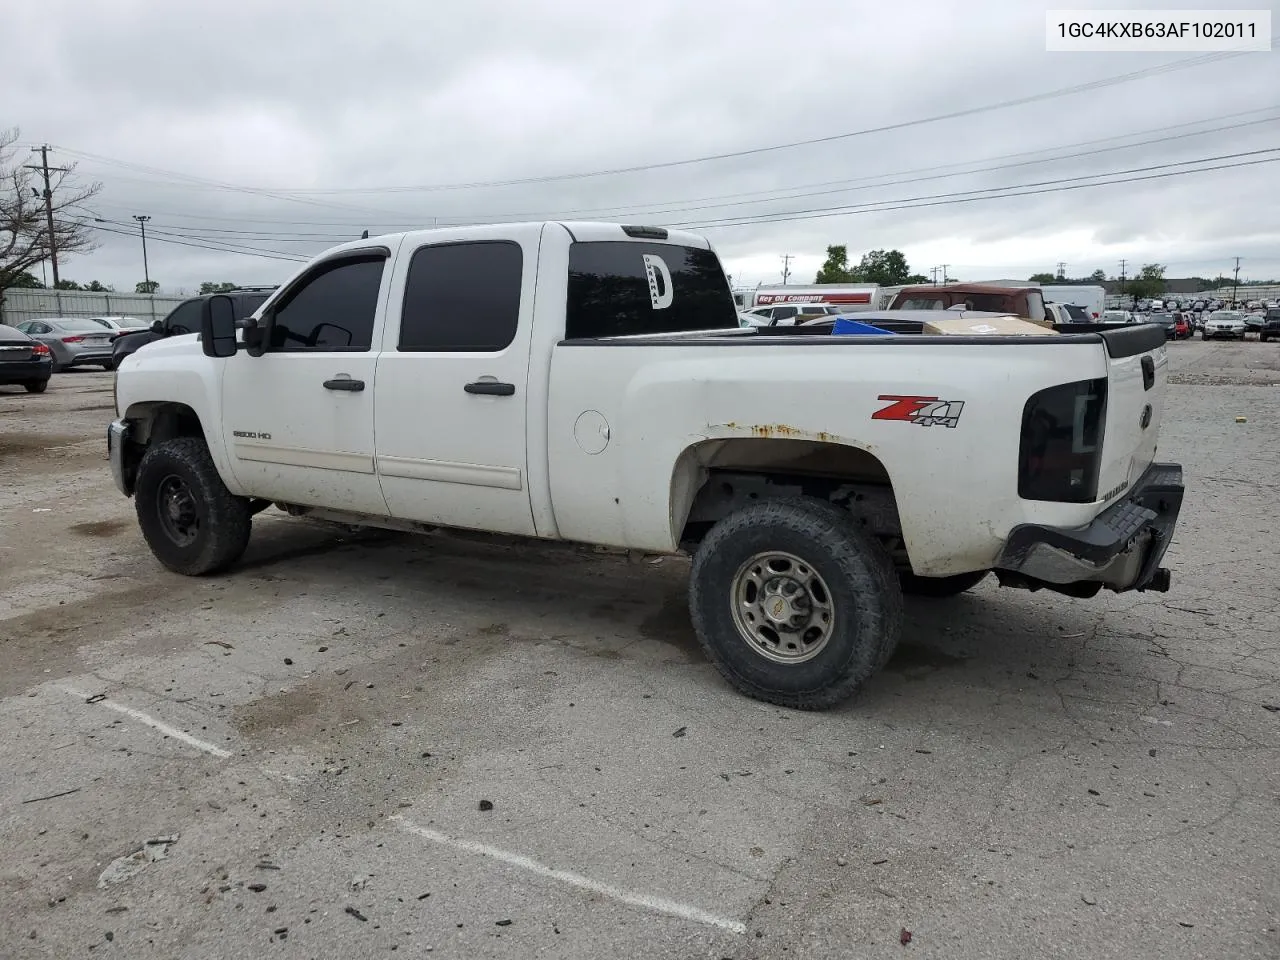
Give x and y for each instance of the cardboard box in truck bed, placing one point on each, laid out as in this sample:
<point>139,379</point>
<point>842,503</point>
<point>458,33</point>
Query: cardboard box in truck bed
<point>991,326</point>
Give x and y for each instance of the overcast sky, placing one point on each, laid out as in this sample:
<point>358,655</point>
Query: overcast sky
<point>289,126</point>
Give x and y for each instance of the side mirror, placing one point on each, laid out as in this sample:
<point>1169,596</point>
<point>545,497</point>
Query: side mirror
<point>157,326</point>
<point>218,327</point>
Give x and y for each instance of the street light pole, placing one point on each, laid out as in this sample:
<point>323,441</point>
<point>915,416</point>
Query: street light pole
<point>146,272</point>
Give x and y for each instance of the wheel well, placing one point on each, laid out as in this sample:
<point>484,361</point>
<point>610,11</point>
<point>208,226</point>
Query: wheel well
<point>155,422</point>
<point>717,477</point>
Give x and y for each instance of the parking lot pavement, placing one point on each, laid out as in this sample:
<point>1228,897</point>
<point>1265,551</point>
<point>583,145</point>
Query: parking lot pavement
<point>368,744</point>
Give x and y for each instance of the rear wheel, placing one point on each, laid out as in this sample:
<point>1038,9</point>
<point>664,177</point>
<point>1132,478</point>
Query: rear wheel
<point>794,603</point>
<point>39,386</point>
<point>191,521</point>
<point>916,586</point>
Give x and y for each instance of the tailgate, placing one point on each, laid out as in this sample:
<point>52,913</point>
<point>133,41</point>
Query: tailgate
<point>1137,372</point>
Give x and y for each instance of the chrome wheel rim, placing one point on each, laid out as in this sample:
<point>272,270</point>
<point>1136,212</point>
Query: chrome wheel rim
<point>782,607</point>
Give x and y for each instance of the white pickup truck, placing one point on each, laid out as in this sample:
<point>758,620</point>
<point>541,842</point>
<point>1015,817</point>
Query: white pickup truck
<point>591,383</point>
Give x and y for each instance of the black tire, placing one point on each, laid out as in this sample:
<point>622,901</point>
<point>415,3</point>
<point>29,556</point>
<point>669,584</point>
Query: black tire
<point>38,386</point>
<point>56,367</point>
<point>851,567</point>
<point>109,366</point>
<point>952,586</point>
<point>215,521</point>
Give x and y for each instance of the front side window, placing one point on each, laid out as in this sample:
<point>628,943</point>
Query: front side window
<point>462,297</point>
<point>623,288</point>
<point>332,309</point>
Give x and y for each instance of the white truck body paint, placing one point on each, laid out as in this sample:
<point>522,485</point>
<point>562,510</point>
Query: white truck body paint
<point>414,446</point>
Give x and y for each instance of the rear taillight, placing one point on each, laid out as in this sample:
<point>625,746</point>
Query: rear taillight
<point>1061,449</point>
<point>72,339</point>
<point>39,350</point>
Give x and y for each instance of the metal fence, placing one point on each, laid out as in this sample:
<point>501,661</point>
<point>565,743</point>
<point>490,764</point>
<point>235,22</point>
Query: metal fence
<point>24,304</point>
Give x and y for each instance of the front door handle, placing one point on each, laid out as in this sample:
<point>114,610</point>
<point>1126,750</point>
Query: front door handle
<point>491,387</point>
<point>344,383</point>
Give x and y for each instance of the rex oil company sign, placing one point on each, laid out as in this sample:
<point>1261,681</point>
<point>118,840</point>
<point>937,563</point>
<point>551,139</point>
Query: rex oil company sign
<point>859,297</point>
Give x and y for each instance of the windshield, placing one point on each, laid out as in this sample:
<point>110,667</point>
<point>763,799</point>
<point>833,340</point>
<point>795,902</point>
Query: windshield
<point>1224,315</point>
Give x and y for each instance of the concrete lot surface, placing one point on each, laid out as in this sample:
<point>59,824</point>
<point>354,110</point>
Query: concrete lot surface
<point>374,745</point>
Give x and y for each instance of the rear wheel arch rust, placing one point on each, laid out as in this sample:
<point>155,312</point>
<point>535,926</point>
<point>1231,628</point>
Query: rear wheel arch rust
<point>698,464</point>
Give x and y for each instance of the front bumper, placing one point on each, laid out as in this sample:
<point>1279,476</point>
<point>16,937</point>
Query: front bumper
<point>118,437</point>
<point>1120,550</point>
<point>26,371</point>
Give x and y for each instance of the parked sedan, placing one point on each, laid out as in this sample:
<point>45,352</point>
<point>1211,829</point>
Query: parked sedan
<point>1117,316</point>
<point>24,361</point>
<point>1224,323</point>
<point>73,341</point>
<point>122,324</point>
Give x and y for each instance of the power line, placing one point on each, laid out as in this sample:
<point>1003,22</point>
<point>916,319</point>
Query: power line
<point>944,199</point>
<point>190,242</point>
<point>296,195</point>
<point>633,210</point>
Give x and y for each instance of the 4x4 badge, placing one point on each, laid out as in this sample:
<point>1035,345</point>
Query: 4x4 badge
<point>926,411</point>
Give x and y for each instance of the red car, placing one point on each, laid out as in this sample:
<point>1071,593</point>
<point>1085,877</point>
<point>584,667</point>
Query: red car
<point>1181,329</point>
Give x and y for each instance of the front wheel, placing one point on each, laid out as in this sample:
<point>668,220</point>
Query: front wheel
<point>794,604</point>
<point>191,521</point>
<point>39,386</point>
<point>952,586</point>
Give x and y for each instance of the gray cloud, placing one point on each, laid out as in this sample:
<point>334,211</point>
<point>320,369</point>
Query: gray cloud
<point>324,96</point>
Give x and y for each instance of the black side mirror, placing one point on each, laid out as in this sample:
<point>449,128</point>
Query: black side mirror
<point>157,326</point>
<point>218,327</point>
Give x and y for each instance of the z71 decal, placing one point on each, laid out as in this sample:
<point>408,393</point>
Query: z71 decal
<point>926,411</point>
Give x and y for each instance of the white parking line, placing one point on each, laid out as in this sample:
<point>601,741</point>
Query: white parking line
<point>643,900</point>
<point>155,724</point>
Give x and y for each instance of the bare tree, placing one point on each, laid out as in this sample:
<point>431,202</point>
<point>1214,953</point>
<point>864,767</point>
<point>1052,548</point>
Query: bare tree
<point>24,228</point>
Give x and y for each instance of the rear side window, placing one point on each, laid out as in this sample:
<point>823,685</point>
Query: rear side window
<point>462,297</point>
<point>621,288</point>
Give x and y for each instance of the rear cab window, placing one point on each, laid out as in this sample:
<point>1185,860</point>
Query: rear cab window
<point>629,288</point>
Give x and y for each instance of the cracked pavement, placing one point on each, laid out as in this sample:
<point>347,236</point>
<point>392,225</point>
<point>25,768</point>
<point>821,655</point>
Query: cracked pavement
<point>1030,776</point>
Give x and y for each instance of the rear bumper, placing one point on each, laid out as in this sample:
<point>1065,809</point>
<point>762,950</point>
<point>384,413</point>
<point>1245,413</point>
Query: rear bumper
<point>118,435</point>
<point>25,371</point>
<point>1120,550</point>
<point>94,358</point>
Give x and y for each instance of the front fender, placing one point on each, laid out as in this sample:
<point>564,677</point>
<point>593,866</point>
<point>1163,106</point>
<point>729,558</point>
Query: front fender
<point>175,371</point>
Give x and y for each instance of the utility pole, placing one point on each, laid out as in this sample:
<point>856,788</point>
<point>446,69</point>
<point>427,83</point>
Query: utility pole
<point>944,273</point>
<point>1122,263</point>
<point>933,272</point>
<point>1062,269</point>
<point>786,268</point>
<point>146,272</point>
<point>45,170</point>
<point>1235,285</point>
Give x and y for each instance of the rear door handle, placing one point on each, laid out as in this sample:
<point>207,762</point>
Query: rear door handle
<point>344,383</point>
<point>491,387</point>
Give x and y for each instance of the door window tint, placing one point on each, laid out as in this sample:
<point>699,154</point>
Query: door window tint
<point>462,297</point>
<point>620,288</point>
<point>784,313</point>
<point>333,308</point>
<point>184,319</point>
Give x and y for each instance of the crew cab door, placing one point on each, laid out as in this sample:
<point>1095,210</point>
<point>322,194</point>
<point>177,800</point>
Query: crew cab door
<point>298,420</point>
<point>453,376</point>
